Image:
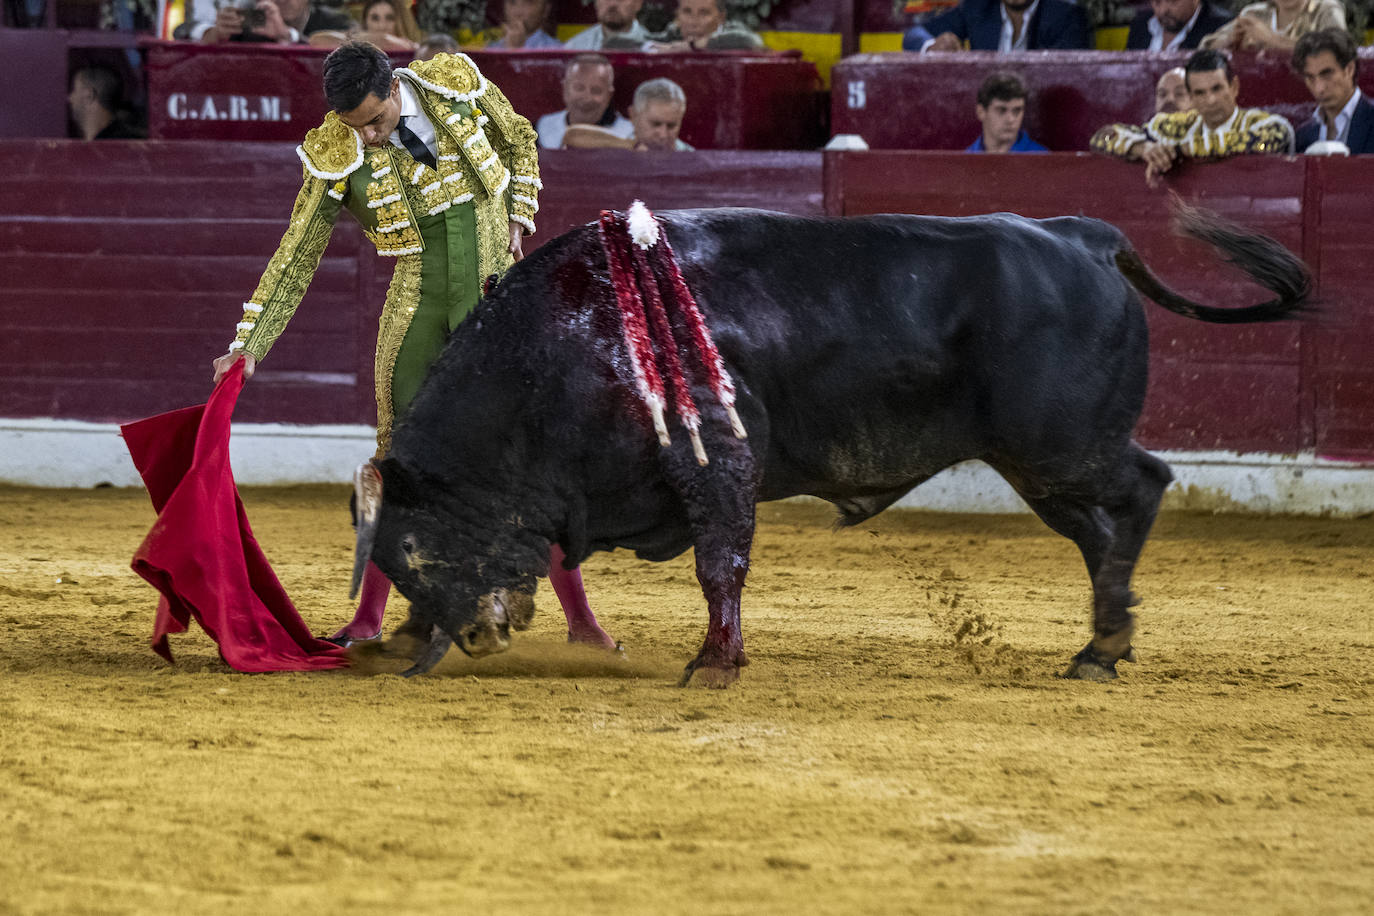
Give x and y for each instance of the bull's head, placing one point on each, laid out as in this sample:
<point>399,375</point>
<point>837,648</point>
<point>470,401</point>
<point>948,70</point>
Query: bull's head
<point>464,588</point>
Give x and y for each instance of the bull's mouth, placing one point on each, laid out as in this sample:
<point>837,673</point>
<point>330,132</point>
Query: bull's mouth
<point>483,639</point>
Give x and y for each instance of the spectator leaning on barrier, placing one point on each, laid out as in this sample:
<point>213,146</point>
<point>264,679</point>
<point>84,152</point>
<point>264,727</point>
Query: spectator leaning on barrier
<point>1003,25</point>
<point>390,25</point>
<point>1327,62</point>
<point>1171,92</point>
<point>1276,24</point>
<point>1001,108</point>
<point>588,85</point>
<point>701,25</point>
<point>522,24</point>
<point>656,113</point>
<point>1215,128</point>
<point>279,21</point>
<point>616,24</point>
<point>94,102</point>
<point>1174,25</point>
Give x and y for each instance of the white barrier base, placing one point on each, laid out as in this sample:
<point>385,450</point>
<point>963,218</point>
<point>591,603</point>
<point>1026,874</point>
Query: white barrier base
<point>69,453</point>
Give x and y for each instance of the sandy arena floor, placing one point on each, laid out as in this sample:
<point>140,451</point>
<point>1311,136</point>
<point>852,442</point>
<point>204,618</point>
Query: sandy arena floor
<point>900,743</point>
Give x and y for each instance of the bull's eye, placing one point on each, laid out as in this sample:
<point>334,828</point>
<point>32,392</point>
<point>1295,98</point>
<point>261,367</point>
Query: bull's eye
<point>408,544</point>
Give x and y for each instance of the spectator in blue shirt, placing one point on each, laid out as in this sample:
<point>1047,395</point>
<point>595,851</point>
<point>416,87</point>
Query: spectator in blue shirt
<point>1001,108</point>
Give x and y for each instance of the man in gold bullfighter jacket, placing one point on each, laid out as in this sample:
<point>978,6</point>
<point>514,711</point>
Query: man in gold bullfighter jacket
<point>443,175</point>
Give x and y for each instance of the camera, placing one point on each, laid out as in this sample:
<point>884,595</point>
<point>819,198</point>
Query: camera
<point>253,18</point>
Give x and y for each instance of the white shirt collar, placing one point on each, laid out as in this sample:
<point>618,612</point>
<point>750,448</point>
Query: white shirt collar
<point>1157,31</point>
<point>1342,117</point>
<point>1023,43</point>
<point>418,123</point>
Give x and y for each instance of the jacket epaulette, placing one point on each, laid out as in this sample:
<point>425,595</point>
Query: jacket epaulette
<point>331,151</point>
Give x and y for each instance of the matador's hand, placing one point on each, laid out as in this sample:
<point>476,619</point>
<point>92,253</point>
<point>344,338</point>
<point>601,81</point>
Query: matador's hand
<point>517,233</point>
<point>225,362</point>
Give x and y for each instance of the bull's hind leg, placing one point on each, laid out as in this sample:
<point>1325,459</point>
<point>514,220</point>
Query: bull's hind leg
<point>1132,511</point>
<point>719,499</point>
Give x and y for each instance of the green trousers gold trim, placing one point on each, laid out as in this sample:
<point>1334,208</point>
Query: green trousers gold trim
<point>430,293</point>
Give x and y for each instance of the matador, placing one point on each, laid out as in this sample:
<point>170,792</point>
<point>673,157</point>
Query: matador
<point>443,176</point>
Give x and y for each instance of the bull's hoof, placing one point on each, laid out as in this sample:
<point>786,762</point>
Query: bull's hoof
<point>1091,665</point>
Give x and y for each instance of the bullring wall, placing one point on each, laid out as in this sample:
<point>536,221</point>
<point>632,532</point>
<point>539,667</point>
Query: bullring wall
<point>123,266</point>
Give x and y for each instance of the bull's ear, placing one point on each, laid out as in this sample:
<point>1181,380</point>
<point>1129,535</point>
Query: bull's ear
<point>367,510</point>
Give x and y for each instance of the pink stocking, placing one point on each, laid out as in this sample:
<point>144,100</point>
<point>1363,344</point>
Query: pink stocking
<point>367,622</point>
<point>567,585</point>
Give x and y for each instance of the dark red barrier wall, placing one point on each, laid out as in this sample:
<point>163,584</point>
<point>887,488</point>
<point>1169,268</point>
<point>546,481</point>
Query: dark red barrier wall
<point>123,266</point>
<point>233,92</point>
<point>926,101</point>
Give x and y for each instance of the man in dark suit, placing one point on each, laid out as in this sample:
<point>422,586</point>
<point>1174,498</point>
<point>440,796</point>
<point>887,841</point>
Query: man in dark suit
<point>1174,25</point>
<point>1003,25</point>
<point>1326,61</point>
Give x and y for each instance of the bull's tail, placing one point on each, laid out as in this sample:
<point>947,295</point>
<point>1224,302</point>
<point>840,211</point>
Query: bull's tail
<point>1266,262</point>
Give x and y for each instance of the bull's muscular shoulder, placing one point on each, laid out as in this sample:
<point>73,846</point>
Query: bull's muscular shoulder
<point>454,76</point>
<point>331,151</point>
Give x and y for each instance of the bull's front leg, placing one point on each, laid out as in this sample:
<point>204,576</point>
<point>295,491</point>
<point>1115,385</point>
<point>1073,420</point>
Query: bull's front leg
<point>720,506</point>
<point>721,569</point>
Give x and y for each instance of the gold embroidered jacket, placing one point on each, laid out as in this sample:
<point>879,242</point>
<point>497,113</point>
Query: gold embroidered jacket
<point>1248,130</point>
<point>486,152</point>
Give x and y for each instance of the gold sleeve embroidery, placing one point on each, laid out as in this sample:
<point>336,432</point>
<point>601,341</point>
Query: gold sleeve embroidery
<point>1273,134</point>
<point>513,139</point>
<point>291,268</point>
<point>1116,139</point>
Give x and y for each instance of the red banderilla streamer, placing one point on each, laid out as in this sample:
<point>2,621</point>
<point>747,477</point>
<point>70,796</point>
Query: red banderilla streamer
<point>716,374</point>
<point>632,323</point>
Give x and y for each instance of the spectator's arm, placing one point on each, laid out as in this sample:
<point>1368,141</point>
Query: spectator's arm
<point>953,22</point>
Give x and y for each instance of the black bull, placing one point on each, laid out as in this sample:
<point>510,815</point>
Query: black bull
<point>868,354</point>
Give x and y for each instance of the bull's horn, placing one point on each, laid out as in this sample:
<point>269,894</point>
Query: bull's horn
<point>367,498</point>
<point>430,654</point>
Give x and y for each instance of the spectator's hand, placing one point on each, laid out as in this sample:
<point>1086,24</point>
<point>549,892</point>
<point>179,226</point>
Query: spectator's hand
<point>517,233</point>
<point>1253,34</point>
<point>1158,159</point>
<point>228,21</point>
<point>226,362</point>
<point>275,27</point>
<point>946,41</point>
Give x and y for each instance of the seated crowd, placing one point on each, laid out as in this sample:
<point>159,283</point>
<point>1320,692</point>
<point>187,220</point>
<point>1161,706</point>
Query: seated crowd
<point>1197,113</point>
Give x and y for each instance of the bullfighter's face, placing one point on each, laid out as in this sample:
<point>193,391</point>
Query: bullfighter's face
<point>376,117</point>
<point>1213,95</point>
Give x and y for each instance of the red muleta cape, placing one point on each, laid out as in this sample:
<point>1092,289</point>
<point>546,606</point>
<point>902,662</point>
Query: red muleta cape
<point>201,553</point>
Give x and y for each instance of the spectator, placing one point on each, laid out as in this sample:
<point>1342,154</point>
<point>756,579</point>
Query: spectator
<point>1276,24</point>
<point>390,25</point>
<point>1177,25</point>
<point>1171,92</point>
<point>1001,109</point>
<point>522,22</point>
<point>657,113</point>
<point>1327,63</point>
<point>700,25</point>
<point>94,100</point>
<point>616,24</point>
<point>279,21</point>
<point>436,43</point>
<point>1214,128</point>
<point>588,84</point>
<point>1003,25</point>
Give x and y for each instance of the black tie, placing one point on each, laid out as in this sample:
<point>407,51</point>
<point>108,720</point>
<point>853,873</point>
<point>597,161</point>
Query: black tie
<point>414,145</point>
